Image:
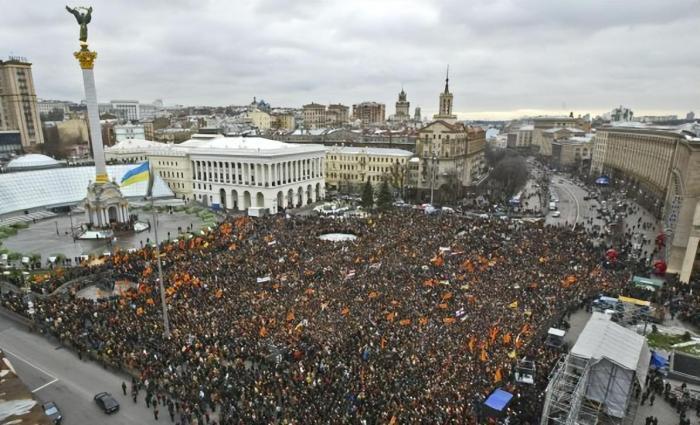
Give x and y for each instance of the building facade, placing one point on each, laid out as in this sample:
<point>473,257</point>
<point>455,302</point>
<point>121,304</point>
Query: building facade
<point>234,173</point>
<point>317,116</point>
<point>129,131</point>
<point>662,164</point>
<point>338,114</point>
<point>18,104</point>
<point>259,119</point>
<point>541,124</point>
<point>314,115</point>
<point>369,113</point>
<point>126,109</point>
<point>451,156</point>
<point>46,106</point>
<point>348,168</point>
<point>572,152</point>
<point>282,121</point>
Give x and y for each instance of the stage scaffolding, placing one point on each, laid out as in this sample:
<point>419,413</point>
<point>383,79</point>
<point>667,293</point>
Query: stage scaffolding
<point>565,400</point>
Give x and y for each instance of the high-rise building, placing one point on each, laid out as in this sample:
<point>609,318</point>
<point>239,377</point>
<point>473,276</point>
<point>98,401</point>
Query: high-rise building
<point>446,98</point>
<point>402,106</point>
<point>369,112</point>
<point>18,106</point>
<point>416,115</point>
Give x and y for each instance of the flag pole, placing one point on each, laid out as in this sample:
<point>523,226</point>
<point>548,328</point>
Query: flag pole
<point>166,322</point>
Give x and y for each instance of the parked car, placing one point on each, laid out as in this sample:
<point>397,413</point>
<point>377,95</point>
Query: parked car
<point>106,402</point>
<point>53,412</point>
<point>556,214</point>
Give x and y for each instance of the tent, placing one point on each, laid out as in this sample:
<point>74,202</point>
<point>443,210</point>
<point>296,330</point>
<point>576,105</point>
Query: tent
<point>498,401</point>
<point>616,357</point>
<point>602,181</point>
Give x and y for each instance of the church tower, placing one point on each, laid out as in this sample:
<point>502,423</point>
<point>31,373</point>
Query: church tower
<point>402,106</point>
<point>445,113</point>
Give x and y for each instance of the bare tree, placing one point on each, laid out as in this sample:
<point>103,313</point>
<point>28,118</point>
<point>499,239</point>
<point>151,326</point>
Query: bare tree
<point>508,176</point>
<point>398,174</point>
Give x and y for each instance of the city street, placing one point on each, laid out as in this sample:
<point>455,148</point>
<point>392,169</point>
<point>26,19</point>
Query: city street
<point>56,374</point>
<point>575,210</point>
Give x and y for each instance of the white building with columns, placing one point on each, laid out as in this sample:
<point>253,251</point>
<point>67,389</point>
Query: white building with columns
<point>235,173</point>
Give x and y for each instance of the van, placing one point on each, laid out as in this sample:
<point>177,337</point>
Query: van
<point>552,206</point>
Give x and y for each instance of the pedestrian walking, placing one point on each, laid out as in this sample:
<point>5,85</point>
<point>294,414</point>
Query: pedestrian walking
<point>651,399</point>
<point>155,411</point>
<point>124,387</point>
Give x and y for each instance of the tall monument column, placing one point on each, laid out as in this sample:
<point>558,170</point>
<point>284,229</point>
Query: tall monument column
<point>87,62</point>
<point>105,206</point>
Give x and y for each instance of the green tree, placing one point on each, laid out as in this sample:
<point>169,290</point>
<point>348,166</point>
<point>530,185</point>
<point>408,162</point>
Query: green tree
<point>367,195</point>
<point>384,198</point>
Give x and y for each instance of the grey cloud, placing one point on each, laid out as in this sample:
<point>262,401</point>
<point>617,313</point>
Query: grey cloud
<point>503,55</point>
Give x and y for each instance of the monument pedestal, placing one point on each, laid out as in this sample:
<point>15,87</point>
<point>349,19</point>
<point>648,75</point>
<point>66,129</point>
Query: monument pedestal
<point>105,205</point>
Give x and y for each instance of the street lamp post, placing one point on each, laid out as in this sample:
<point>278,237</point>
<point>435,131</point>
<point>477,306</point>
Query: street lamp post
<point>432,176</point>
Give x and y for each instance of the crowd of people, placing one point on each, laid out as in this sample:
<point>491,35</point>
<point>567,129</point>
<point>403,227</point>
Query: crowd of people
<point>417,320</point>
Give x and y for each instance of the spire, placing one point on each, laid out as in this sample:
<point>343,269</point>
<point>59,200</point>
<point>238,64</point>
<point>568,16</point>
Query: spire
<point>447,79</point>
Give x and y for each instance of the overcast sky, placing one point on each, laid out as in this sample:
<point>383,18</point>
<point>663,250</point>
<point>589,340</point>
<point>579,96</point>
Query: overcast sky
<point>507,58</point>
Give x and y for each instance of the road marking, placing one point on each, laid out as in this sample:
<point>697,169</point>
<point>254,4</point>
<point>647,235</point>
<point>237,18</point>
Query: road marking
<point>45,385</point>
<point>18,357</point>
<point>577,204</point>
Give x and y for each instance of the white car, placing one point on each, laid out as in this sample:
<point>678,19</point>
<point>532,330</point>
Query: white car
<point>556,214</point>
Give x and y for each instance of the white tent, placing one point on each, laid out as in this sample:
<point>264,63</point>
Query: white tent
<point>617,356</point>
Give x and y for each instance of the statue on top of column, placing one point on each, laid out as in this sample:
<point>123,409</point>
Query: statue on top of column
<point>83,20</point>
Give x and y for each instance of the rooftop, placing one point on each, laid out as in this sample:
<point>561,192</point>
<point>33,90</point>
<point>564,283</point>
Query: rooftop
<point>370,151</point>
<point>130,145</point>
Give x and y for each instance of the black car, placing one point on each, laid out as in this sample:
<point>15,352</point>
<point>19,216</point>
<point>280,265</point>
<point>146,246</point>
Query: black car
<point>106,402</point>
<point>53,412</point>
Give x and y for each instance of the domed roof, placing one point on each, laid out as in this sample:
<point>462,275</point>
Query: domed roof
<point>32,160</point>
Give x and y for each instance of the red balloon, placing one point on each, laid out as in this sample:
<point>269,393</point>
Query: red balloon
<point>660,267</point>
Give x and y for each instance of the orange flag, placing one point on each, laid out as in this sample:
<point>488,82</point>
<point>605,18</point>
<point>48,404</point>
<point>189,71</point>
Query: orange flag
<point>472,343</point>
<point>150,301</point>
<point>423,321</point>
<point>390,316</point>
<point>437,261</point>
<point>219,293</point>
<point>446,296</point>
<point>442,306</point>
<point>290,316</point>
<point>484,357</point>
<point>498,376</point>
<point>405,322</point>
<point>448,320</point>
<point>263,332</point>
<point>382,343</point>
<point>373,295</point>
<point>345,311</point>
<point>493,333</point>
<point>507,338</point>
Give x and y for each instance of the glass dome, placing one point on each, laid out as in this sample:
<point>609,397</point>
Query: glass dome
<point>32,161</point>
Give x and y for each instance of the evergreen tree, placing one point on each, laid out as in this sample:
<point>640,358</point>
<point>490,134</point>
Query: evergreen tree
<point>367,195</point>
<point>384,199</point>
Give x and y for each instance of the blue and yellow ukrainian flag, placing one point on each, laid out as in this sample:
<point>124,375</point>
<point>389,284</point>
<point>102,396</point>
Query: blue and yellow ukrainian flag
<point>135,175</point>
